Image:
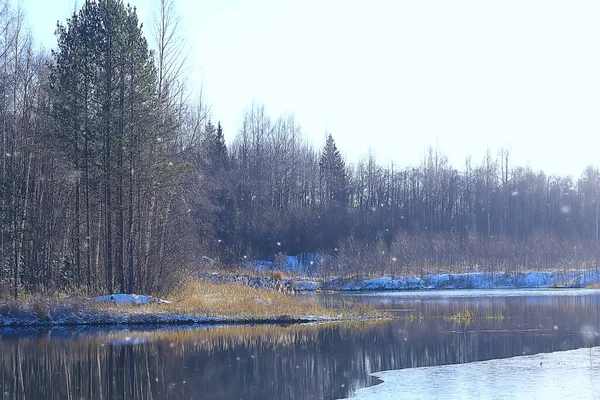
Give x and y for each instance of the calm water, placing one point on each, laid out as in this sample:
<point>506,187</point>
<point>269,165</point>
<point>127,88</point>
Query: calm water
<point>294,362</point>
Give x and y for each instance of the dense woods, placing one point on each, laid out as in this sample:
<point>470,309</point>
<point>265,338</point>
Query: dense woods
<point>113,179</point>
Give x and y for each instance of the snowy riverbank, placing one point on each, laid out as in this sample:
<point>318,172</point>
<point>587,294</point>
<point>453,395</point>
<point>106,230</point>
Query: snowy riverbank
<point>569,374</point>
<point>478,280</point>
<point>482,280</point>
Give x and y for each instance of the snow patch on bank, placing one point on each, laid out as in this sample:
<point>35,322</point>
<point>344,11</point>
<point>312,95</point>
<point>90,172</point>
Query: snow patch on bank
<point>304,264</point>
<point>569,374</point>
<point>407,282</point>
<point>308,265</point>
<point>304,286</point>
<point>131,299</point>
<point>480,280</point>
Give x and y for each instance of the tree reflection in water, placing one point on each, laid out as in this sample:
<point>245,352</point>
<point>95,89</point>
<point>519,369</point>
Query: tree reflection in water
<point>274,362</point>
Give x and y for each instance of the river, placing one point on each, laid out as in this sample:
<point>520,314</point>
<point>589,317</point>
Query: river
<point>317,361</point>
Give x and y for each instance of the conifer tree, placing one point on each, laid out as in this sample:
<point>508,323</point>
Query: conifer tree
<point>333,195</point>
<point>334,185</point>
<point>102,89</point>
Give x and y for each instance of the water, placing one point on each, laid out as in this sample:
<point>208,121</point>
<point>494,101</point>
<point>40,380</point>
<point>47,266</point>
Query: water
<point>294,362</point>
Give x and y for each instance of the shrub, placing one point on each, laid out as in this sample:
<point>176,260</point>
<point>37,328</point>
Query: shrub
<point>276,275</point>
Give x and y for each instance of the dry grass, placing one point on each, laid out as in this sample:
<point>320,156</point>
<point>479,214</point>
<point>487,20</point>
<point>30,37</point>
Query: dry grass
<point>466,317</point>
<point>198,299</point>
<point>497,317</point>
<point>595,285</point>
<point>232,300</point>
<point>414,317</point>
<point>35,309</point>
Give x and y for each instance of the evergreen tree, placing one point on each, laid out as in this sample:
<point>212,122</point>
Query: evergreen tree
<point>213,198</point>
<point>333,196</point>
<point>102,89</point>
<point>334,185</point>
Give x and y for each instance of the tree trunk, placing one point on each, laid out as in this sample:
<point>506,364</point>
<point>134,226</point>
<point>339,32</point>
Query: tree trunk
<point>121,218</point>
<point>88,244</point>
<point>108,261</point>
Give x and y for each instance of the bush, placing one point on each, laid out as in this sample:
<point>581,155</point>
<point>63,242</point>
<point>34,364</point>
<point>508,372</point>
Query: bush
<point>276,275</point>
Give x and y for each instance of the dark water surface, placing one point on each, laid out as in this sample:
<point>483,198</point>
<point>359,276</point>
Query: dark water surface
<point>294,362</point>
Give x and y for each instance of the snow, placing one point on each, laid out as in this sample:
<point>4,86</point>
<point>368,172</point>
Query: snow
<point>480,280</point>
<point>407,282</point>
<point>133,299</point>
<point>569,374</point>
<point>304,286</point>
<point>306,264</point>
<point>481,293</point>
<point>259,265</point>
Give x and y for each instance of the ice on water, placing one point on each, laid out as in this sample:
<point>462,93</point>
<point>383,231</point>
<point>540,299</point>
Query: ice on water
<point>573,374</point>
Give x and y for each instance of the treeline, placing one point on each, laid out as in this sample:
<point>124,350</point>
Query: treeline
<point>365,217</point>
<point>112,179</point>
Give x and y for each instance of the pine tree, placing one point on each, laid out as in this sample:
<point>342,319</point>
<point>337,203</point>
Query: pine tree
<point>102,87</point>
<point>333,195</point>
<point>334,185</point>
<point>213,201</point>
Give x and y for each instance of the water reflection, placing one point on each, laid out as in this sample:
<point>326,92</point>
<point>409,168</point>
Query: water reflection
<point>293,362</point>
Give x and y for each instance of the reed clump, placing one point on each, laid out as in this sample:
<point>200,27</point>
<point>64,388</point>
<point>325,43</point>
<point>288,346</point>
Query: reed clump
<point>233,300</point>
<point>496,317</point>
<point>466,317</point>
<point>414,317</point>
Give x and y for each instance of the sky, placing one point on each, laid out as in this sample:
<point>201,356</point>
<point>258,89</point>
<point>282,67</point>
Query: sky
<point>396,77</point>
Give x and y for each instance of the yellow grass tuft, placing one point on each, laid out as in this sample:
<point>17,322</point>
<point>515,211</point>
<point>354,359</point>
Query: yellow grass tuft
<point>498,317</point>
<point>414,317</point>
<point>233,300</point>
<point>466,317</point>
<point>595,285</point>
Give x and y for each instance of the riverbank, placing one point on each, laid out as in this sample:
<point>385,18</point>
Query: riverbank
<point>193,303</point>
<point>238,298</point>
<point>426,281</point>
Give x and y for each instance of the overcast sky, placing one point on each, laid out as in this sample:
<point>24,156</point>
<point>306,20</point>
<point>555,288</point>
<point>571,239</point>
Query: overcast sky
<point>400,76</point>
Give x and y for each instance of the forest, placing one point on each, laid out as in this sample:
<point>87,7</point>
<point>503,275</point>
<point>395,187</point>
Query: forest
<point>114,177</point>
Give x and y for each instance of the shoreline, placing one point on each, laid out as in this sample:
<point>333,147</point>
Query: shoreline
<point>573,279</point>
<point>197,302</point>
<point>158,319</point>
<point>51,312</point>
